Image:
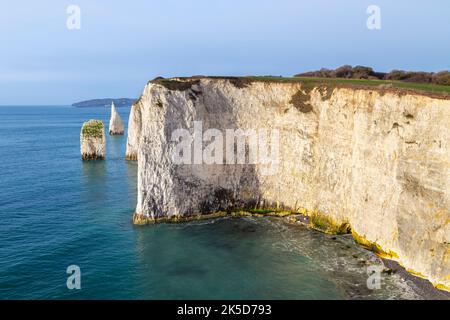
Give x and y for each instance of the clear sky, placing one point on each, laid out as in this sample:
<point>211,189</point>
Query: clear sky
<point>123,44</point>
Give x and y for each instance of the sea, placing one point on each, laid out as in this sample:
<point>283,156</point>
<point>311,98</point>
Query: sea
<point>59,214</point>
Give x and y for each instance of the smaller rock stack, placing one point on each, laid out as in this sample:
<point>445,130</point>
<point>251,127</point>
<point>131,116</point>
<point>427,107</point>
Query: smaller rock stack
<point>116,126</point>
<point>92,140</point>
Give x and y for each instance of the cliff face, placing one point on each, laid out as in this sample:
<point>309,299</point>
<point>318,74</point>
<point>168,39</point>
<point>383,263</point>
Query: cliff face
<point>115,123</point>
<point>92,140</point>
<point>134,130</point>
<point>376,160</point>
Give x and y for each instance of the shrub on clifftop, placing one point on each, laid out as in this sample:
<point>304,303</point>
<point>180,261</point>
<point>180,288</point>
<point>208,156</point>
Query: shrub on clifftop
<point>362,72</point>
<point>92,128</point>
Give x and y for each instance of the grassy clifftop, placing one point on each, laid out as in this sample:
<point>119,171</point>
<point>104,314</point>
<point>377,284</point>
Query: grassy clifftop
<point>438,91</point>
<point>92,128</point>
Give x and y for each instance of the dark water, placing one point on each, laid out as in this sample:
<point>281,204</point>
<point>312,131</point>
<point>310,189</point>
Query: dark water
<point>56,211</point>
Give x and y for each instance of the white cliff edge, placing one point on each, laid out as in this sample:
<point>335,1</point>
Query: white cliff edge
<point>373,161</point>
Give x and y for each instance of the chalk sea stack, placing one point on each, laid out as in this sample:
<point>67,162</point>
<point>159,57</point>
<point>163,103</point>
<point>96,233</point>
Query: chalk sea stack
<point>116,126</point>
<point>92,140</point>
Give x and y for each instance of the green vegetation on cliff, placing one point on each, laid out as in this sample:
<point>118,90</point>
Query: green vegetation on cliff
<point>438,91</point>
<point>327,224</point>
<point>363,72</point>
<point>92,128</point>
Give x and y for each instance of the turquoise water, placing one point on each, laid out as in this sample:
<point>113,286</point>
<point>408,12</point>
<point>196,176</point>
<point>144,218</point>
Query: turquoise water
<point>56,211</point>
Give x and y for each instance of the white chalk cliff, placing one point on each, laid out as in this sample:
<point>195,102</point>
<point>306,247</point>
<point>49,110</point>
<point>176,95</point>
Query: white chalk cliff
<point>375,160</point>
<point>116,126</point>
<point>92,140</point>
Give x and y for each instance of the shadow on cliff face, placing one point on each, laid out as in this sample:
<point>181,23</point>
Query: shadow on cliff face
<point>208,188</point>
<point>239,190</point>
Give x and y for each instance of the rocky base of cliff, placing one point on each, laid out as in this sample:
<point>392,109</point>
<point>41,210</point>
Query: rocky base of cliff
<point>89,157</point>
<point>131,157</point>
<point>116,133</point>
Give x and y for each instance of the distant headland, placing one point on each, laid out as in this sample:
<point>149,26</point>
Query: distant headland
<point>120,102</point>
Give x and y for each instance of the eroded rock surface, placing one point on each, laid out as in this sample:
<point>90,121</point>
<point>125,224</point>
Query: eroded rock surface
<point>376,160</point>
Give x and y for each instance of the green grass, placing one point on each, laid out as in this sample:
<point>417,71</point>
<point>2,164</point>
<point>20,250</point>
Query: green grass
<point>373,83</point>
<point>175,85</point>
<point>242,82</point>
<point>92,128</point>
<point>423,86</point>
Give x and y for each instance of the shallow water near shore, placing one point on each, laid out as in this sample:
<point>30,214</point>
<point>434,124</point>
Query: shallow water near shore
<point>56,211</point>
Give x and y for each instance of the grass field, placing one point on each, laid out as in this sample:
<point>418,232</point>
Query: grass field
<point>439,90</point>
<point>375,83</point>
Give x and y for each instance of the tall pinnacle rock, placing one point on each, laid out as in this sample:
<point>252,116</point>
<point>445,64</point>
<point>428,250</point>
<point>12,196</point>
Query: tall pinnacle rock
<point>115,123</point>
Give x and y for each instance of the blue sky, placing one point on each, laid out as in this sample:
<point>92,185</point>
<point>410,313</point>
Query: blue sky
<point>123,44</point>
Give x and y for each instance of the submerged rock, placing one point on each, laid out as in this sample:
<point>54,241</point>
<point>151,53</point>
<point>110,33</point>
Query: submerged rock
<point>92,140</point>
<point>116,126</point>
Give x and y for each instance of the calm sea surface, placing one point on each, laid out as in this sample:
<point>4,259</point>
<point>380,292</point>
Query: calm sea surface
<point>57,211</point>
